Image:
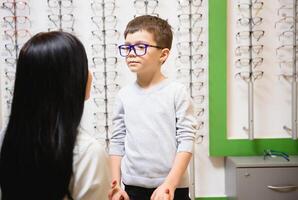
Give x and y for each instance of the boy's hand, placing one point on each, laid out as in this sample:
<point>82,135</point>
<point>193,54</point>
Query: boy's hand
<point>163,192</point>
<point>116,192</point>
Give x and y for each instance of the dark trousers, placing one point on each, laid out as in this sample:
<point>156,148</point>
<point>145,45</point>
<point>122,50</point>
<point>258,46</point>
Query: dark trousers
<point>140,193</point>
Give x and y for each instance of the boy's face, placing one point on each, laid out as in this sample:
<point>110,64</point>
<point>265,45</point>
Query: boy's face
<point>149,62</point>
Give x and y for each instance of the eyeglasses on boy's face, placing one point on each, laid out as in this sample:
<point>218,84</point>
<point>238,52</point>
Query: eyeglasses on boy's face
<point>139,49</point>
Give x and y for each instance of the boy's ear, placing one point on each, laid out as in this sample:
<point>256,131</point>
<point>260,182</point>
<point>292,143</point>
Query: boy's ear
<point>164,55</point>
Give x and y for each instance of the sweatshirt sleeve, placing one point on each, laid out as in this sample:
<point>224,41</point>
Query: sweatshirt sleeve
<point>116,146</point>
<point>185,121</point>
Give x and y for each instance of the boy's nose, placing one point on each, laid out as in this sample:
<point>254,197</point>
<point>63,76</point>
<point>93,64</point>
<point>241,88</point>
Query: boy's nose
<point>131,53</point>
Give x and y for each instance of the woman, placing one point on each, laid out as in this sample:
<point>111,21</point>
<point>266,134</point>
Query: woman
<point>44,155</point>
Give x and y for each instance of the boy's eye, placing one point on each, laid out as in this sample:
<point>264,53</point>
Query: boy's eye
<point>140,46</point>
<point>126,48</point>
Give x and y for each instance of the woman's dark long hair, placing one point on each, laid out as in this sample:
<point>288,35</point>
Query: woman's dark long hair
<point>48,100</point>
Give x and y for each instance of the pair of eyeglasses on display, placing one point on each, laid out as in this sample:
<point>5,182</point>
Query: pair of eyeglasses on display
<point>109,89</point>
<point>13,49</point>
<point>285,9</point>
<point>99,61</point>
<point>9,91</point>
<point>196,86</point>
<point>185,47</point>
<point>22,21</point>
<point>187,3</point>
<point>247,76</point>
<point>245,49</point>
<point>288,77</point>
<point>145,6</point>
<point>286,23</point>
<point>194,59</point>
<point>199,111</point>
<point>139,49</point>
<point>246,62</point>
<point>20,34</point>
<point>65,29</point>
<point>106,22</point>
<point>107,35</point>
<point>60,19</point>
<point>109,76</point>
<point>285,51</point>
<point>10,61</point>
<point>245,35</point>
<point>108,7</point>
<point>198,99</point>
<point>101,116</point>
<point>246,21</point>
<point>10,75</point>
<point>183,34</point>
<point>101,102</point>
<point>256,6</point>
<point>286,65</point>
<point>196,73</point>
<point>189,20</point>
<point>21,6</point>
<point>268,153</point>
<point>60,3</point>
<point>287,36</point>
<point>110,49</point>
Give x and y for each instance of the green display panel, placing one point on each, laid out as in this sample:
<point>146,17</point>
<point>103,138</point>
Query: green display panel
<point>219,144</point>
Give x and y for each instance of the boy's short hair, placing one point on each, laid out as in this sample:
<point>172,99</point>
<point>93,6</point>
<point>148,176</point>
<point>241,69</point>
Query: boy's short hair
<point>160,28</point>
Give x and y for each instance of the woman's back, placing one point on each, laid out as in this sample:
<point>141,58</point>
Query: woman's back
<point>36,159</point>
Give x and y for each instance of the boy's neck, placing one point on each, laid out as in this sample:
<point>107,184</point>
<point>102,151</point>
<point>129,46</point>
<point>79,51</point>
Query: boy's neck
<point>145,81</point>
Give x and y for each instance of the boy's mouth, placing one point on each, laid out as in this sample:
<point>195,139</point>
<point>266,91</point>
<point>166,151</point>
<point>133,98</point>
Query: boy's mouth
<point>132,62</point>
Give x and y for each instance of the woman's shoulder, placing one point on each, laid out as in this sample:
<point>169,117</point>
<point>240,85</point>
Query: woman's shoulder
<point>86,143</point>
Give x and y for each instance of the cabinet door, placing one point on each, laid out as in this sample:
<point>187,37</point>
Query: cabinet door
<point>267,183</point>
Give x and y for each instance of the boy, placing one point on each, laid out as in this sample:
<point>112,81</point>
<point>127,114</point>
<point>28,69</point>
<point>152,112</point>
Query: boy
<point>153,122</point>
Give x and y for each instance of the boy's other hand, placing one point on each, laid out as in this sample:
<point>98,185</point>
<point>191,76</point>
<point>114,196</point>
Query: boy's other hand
<point>163,192</point>
<point>116,192</point>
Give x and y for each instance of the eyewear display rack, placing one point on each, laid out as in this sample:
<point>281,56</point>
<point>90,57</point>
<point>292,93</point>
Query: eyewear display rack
<point>189,69</point>
<point>16,26</point>
<point>104,61</point>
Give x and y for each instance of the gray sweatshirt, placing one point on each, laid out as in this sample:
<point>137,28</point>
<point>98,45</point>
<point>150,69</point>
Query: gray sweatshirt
<point>149,127</point>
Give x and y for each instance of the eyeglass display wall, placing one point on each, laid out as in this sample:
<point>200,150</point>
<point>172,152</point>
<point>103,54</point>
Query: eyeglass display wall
<point>100,24</point>
<point>222,74</point>
<point>262,80</point>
